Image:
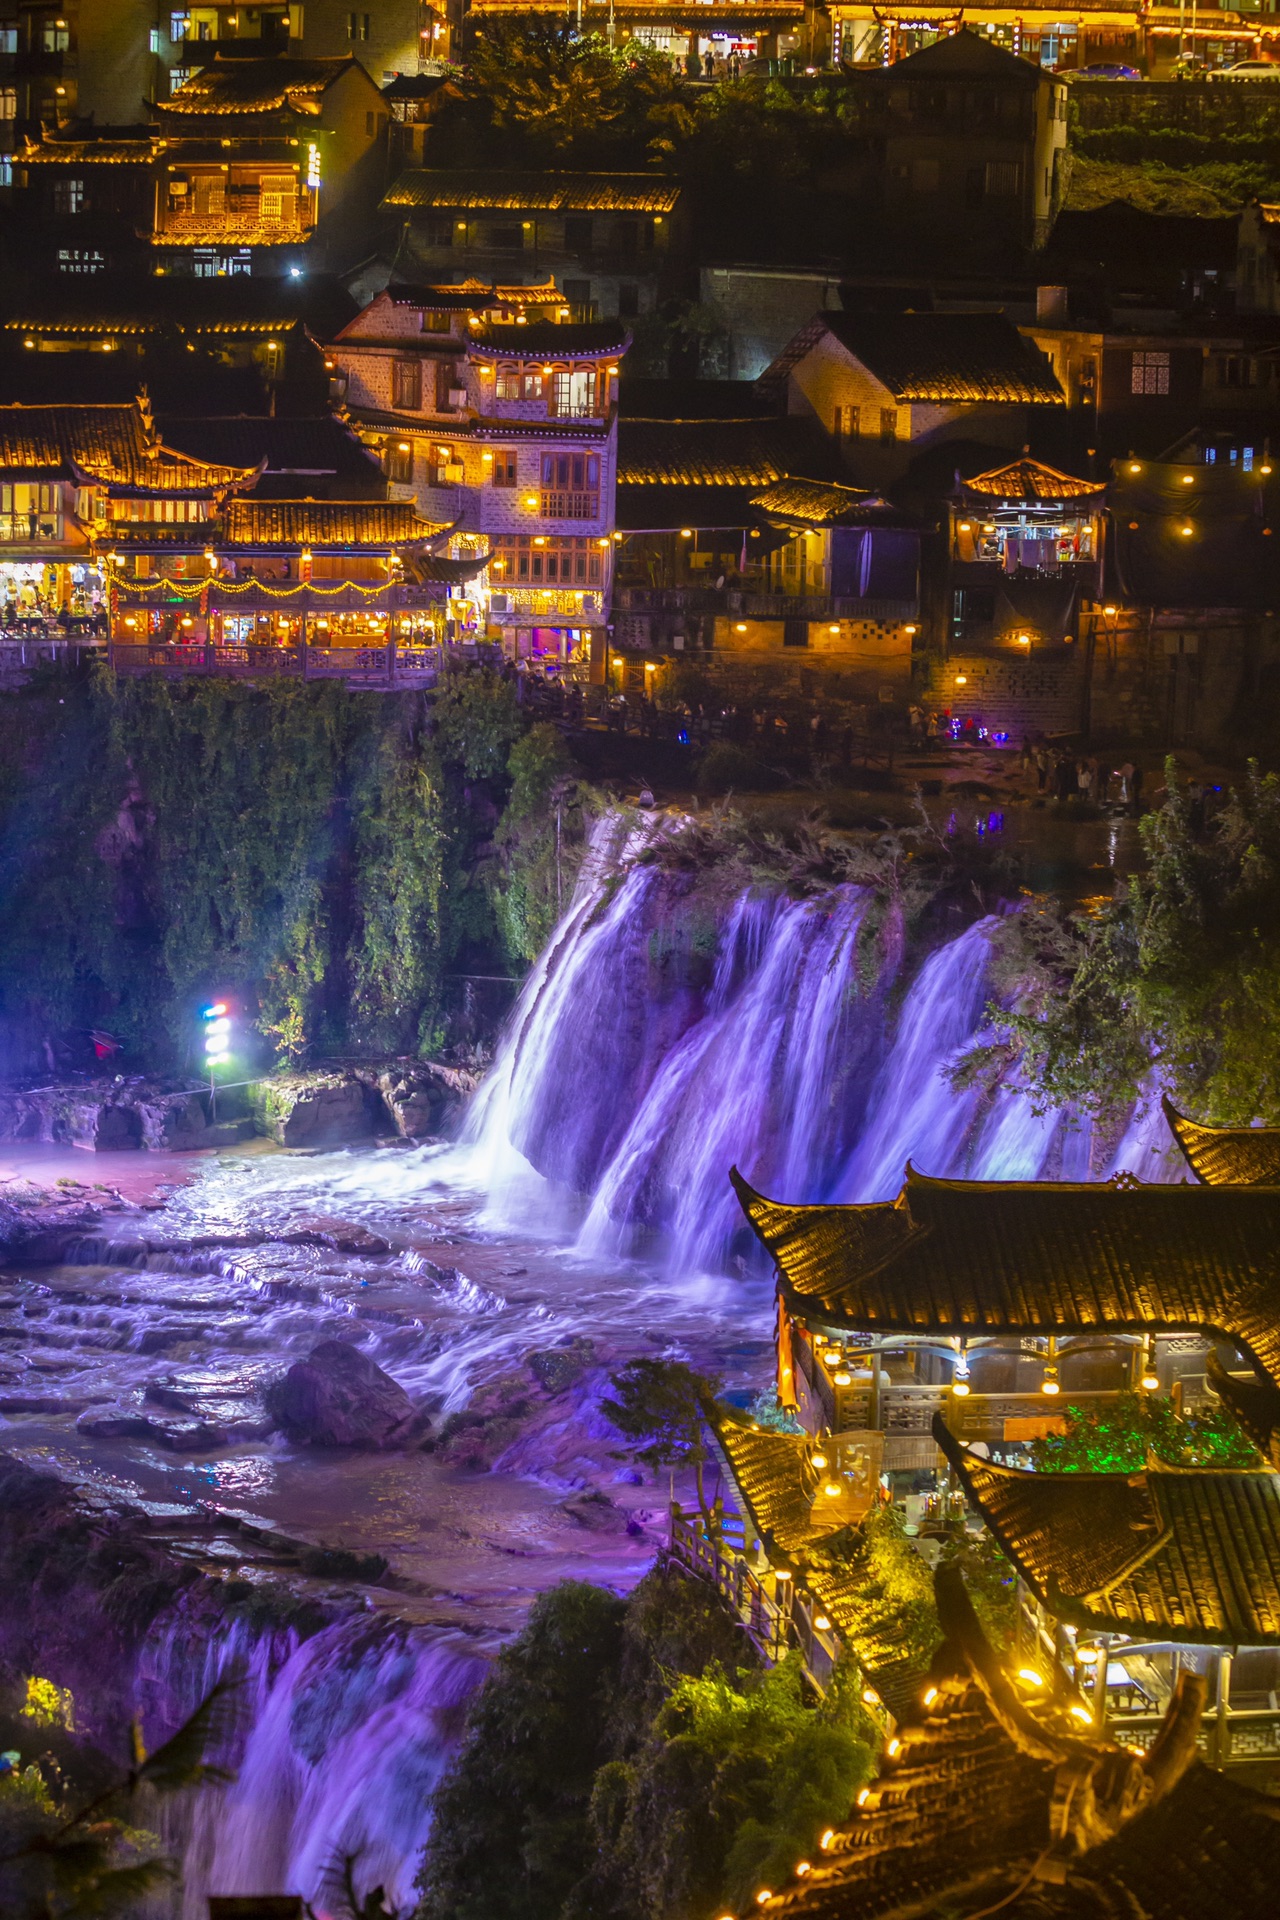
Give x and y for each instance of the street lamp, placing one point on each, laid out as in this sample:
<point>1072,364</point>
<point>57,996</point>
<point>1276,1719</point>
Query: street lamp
<point>216,1023</point>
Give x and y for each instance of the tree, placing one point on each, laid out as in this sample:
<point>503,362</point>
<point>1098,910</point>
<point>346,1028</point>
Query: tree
<point>61,1859</point>
<point>1119,1437</point>
<point>660,1403</point>
<point>1177,978</point>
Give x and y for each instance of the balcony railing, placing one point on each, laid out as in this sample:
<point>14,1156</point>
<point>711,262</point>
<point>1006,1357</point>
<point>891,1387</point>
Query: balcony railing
<point>385,666</point>
<point>571,506</point>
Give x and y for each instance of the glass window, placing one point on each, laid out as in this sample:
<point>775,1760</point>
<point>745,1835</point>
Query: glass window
<point>888,424</point>
<point>406,383</point>
<point>504,467</point>
<point>574,395</point>
<point>533,386</point>
<point>1150,373</point>
<point>509,385</point>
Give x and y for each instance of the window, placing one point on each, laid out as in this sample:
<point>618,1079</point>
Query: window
<point>179,26</point>
<point>399,462</point>
<point>154,39</point>
<point>54,37</point>
<point>178,77</point>
<point>508,385</point>
<point>570,486</point>
<point>436,322</point>
<point>439,230</point>
<point>628,302</point>
<point>888,425</point>
<point>68,196</point>
<point>564,561</point>
<point>8,103</point>
<point>532,386</point>
<point>1150,373</point>
<point>574,394</point>
<point>1246,459</point>
<point>278,199</point>
<point>406,383</point>
<point>358,28</point>
<point>446,386</point>
<point>577,234</point>
<point>1002,179</point>
<point>846,421</point>
<point>6,169</point>
<point>504,467</point>
<point>8,36</point>
<point>577,295</point>
<point>507,238</point>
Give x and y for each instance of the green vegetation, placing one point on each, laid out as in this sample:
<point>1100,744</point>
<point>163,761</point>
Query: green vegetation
<point>628,1760</point>
<point>1211,190</point>
<point>70,1845</point>
<point>324,857</point>
<point>1118,1439</point>
<point>1177,978</point>
<point>659,1405</point>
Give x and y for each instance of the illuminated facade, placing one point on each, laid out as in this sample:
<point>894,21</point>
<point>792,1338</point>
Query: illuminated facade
<point>496,414</point>
<point>763,29</point>
<point>1147,37</point>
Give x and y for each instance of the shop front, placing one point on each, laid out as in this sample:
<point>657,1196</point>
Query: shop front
<point>57,594</point>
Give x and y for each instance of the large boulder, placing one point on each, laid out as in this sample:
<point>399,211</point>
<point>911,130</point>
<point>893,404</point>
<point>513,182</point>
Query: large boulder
<point>339,1397</point>
<point>38,1227</point>
<point>328,1108</point>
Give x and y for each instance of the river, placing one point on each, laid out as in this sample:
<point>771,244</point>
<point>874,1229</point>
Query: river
<point>587,1199</point>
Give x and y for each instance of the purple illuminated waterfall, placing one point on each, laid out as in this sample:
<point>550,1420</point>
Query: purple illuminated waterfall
<point>631,1094</point>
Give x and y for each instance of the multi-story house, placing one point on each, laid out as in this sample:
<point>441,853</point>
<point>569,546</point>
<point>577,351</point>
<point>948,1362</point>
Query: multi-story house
<point>782,32</point>
<point>612,243</point>
<point>496,413</point>
<point>890,387</point>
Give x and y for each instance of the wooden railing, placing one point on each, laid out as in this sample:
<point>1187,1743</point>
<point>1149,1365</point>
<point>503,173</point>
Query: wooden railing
<point>386,666</point>
<point>722,1563</point>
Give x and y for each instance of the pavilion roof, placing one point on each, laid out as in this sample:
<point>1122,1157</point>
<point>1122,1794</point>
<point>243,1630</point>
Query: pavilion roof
<point>1227,1156</point>
<point>509,191</point>
<point>821,503</point>
<point>1031,480</point>
<point>979,1257</point>
<point>752,452</point>
<point>773,1474</point>
<point>984,1802</point>
<point>325,523</point>
<point>1185,1555</point>
<point>113,445</point>
<point>258,86</point>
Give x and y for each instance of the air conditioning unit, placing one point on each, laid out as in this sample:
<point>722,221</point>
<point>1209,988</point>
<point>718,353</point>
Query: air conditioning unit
<point>500,602</point>
<point>457,396</point>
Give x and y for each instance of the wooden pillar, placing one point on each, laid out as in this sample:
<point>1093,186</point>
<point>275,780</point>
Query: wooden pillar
<point>1100,1686</point>
<point>1222,1732</point>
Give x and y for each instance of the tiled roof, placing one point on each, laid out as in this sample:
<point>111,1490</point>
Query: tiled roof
<point>86,153</point>
<point>1227,1156</point>
<point>948,357</point>
<point>473,296</point>
<point>1031,480</point>
<point>325,523</point>
<point>567,339</point>
<point>483,430</point>
<point>315,446</point>
<point>815,503</point>
<point>257,86</point>
<point>110,444</point>
<point>718,453</point>
<point>969,1257</point>
<point>240,303</point>
<point>510,192</point>
<point>1181,1555</point>
<point>773,1474</point>
<point>650,509</point>
<point>982,1805</point>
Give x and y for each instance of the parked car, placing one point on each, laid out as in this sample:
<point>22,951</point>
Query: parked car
<point>1248,70</point>
<point>1102,70</point>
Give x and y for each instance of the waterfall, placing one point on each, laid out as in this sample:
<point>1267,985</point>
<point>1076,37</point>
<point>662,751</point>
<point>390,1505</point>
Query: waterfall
<point>345,1737</point>
<point>621,1096</point>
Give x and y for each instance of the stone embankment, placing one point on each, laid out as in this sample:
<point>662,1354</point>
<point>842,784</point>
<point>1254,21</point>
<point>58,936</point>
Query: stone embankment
<point>330,1106</point>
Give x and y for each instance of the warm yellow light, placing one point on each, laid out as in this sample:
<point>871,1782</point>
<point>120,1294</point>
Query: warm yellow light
<point>764,1896</point>
<point>1109,611</point>
<point>1135,467</point>
<point>1188,479</point>
<point>617,660</point>
<point>131,623</point>
<point>834,627</point>
<point>962,679</point>
<point>870,1698</point>
<point>966,526</point>
<point>686,533</point>
<point>1186,531</point>
<point>819,1461</point>
<point>1032,1678</point>
<point>931,1695</point>
<point>1049,1385</point>
<point>740,626</point>
<point>802,1867</point>
<point>1087,1656</point>
<point>1150,1381</point>
<point>650,667</point>
<point>910,629</point>
<point>864,1794</point>
<point>844,1379</point>
<point>403,446</point>
<point>531,499</point>
<point>832,1490</point>
<point>832,1359</point>
<point>960,1388</point>
<point>822,1623</point>
<point>539,539</point>
<point>827,1838</point>
<point>603,542</point>
<point>1265,467</point>
<point>894,1747</point>
<point>782,1573</point>
<point>1082,1713</point>
<point>1024,639</point>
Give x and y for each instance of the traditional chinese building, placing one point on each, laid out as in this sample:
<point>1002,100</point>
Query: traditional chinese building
<point>890,387</point>
<point>612,243</point>
<point>1149,38</point>
<point>496,412</point>
<point>782,31</point>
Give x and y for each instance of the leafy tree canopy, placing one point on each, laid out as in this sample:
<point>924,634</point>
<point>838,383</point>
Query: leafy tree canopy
<point>1118,1438</point>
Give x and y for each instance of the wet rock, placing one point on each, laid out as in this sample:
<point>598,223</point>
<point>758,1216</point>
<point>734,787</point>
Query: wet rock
<point>38,1227</point>
<point>342,1236</point>
<point>422,1098</point>
<point>328,1108</point>
<point>107,1116</point>
<point>595,1511</point>
<point>556,1369</point>
<point>339,1397</point>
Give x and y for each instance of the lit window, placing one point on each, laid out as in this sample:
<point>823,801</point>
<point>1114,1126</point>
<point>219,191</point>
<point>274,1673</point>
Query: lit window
<point>8,103</point>
<point>1150,373</point>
